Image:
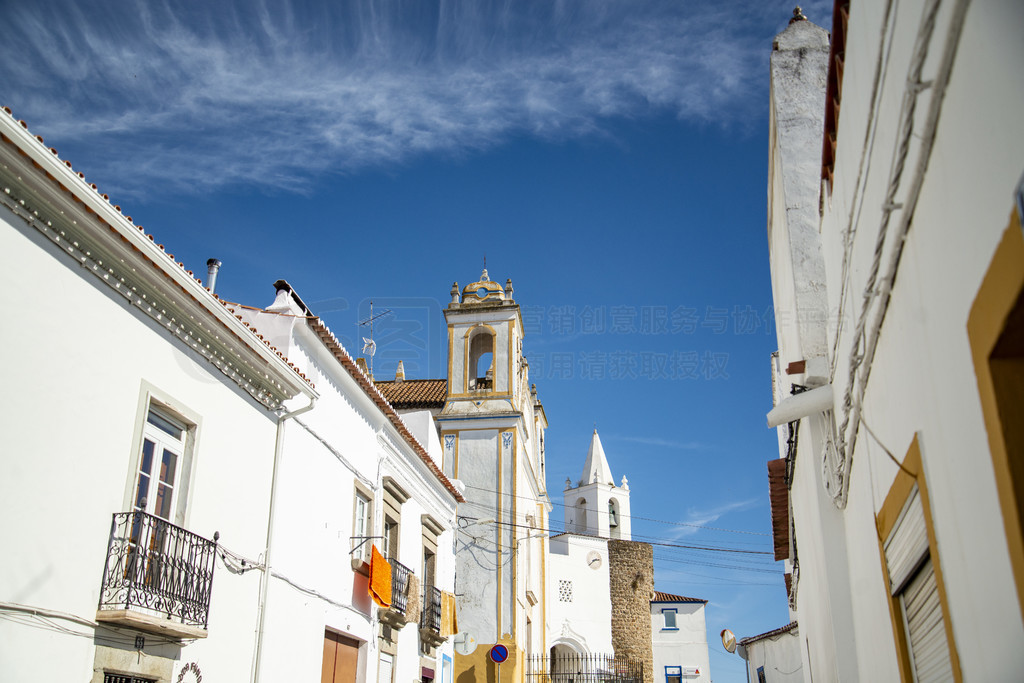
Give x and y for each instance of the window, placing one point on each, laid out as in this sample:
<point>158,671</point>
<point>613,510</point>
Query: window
<point>362,526</point>
<point>760,674</point>
<point>480,368</point>
<point>390,540</point>
<point>914,589</point>
<point>125,678</point>
<point>673,674</point>
<point>670,619</point>
<point>163,444</point>
<point>161,464</point>
<point>565,591</point>
<point>996,331</point>
<point>581,515</point>
<point>394,497</point>
<point>387,663</point>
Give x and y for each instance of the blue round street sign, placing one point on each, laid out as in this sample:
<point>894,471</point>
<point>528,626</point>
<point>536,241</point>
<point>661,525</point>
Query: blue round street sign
<point>498,654</point>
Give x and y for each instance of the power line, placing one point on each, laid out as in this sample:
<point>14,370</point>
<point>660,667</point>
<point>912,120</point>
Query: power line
<point>684,546</point>
<point>645,519</point>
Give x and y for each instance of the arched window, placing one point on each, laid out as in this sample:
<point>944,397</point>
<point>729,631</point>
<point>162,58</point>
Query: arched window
<point>614,530</point>
<point>481,360</point>
<point>581,515</point>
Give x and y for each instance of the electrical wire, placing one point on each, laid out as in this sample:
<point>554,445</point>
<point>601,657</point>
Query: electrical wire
<point>645,519</point>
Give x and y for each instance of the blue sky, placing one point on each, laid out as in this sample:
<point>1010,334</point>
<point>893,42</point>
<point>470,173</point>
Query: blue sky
<point>608,156</point>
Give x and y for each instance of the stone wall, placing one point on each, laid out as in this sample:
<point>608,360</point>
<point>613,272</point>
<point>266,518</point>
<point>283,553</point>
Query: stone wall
<point>631,579</point>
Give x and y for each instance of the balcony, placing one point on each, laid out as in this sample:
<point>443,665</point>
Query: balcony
<point>157,577</point>
<point>397,615</point>
<point>430,618</point>
<point>574,667</point>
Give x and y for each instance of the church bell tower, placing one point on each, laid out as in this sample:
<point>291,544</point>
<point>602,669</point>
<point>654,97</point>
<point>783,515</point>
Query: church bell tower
<point>492,432</point>
<point>594,505</point>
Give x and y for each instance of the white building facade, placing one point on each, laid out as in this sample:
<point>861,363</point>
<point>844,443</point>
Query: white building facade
<point>897,264</point>
<point>195,506</point>
<point>679,634</point>
<point>773,657</point>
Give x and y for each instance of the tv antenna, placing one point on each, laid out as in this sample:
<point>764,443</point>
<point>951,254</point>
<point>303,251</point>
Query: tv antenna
<point>370,346</point>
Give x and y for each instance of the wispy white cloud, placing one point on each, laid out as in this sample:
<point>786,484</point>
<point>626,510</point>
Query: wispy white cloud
<point>200,95</point>
<point>696,519</point>
<point>660,443</point>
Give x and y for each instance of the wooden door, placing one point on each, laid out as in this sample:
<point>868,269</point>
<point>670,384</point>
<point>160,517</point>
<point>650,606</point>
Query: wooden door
<point>341,655</point>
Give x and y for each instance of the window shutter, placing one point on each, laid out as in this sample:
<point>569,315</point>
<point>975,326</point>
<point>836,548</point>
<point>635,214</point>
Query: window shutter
<point>925,628</point>
<point>907,546</point>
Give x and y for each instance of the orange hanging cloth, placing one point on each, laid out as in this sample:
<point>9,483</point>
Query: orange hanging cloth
<point>380,579</point>
<point>449,622</point>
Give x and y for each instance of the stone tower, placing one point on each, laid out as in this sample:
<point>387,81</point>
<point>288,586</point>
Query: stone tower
<point>492,433</point>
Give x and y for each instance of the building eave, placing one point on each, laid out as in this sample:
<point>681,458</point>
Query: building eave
<point>55,200</point>
<point>336,349</point>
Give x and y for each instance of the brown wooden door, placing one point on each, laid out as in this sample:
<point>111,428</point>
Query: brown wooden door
<point>341,655</point>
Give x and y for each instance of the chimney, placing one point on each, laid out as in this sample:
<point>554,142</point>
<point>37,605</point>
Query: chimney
<point>361,362</point>
<point>212,266</point>
<point>400,372</point>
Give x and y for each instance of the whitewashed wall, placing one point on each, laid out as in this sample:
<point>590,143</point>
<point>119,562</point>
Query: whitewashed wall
<point>922,379</point>
<point>686,647</point>
<point>780,655</point>
<point>81,363</point>
<point>584,623</point>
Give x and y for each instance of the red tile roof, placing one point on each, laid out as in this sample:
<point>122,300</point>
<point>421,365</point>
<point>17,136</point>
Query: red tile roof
<point>415,393</point>
<point>669,597</point>
<point>761,636</point>
<point>778,493</point>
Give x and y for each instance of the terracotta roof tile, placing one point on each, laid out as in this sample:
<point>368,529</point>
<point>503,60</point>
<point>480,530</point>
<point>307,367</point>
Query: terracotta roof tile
<point>778,493</point>
<point>761,636</point>
<point>339,352</point>
<point>669,597</point>
<point>415,393</point>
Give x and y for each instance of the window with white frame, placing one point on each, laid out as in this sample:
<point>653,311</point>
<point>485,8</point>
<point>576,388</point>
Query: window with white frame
<point>361,525</point>
<point>669,616</point>
<point>162,460</point>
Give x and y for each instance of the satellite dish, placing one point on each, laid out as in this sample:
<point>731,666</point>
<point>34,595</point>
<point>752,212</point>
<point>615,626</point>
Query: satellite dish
<point>728,640</point>
<point>464,643</point>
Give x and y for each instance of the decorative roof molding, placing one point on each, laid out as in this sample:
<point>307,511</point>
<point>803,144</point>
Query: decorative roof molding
<point>48,195</point>
<point>341,355</point>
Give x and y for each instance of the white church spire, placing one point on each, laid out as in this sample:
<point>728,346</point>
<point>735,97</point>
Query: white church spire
<point>596,468</point>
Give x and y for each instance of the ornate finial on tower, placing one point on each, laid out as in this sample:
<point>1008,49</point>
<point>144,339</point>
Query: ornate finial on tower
<point>455,292</point>
<point>568,483</point>
<point>508,288</point>
<point>625,483</point>
<point>484,277</point>
<point>798,15</point>
<point>400,372</point>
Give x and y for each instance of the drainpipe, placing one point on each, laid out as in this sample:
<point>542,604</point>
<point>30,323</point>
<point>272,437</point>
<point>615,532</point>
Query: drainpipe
<point>265,579</point>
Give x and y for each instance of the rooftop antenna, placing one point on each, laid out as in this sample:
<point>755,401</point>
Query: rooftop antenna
<point>370,346</point>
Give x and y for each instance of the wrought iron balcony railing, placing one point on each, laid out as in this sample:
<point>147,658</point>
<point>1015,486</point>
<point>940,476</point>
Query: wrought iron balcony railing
<point>430,618</point>
<point>573,667</point>
<point>159,569</point>
<point>399,586</point>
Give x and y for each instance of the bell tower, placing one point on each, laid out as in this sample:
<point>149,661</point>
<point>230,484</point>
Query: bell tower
<point>486,370</point>
<point>595,506</point>
<point>492,432</point>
